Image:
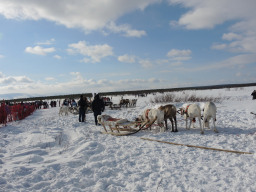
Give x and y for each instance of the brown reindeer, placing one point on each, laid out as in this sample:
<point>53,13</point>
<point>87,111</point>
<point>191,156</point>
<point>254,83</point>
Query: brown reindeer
<point>124,102</point>
<point>169,113</point>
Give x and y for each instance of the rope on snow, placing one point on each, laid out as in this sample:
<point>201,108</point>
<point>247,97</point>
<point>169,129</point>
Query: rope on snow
<point>209,148</point>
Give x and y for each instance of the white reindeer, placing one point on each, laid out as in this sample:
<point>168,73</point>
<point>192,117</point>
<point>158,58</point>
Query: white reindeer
<point>210,113</point>
<point>133,102</point>
<point>63,109</point>
<point>191,112</point>
<point>149,116</point>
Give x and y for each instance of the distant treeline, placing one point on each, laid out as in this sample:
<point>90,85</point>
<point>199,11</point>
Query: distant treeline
<point>135,92</point>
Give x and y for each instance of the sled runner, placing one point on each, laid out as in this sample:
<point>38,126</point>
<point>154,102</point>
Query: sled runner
<point>118,127</point>
<point>115,106</point>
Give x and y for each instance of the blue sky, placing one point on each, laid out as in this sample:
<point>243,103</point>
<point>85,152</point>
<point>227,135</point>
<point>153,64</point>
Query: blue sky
<point>66,47</point>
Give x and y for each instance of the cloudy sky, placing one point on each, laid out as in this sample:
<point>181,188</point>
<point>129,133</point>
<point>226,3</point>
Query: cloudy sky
<point>81,46</point>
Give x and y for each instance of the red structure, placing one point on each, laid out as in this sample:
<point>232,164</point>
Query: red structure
<point>15,112</point>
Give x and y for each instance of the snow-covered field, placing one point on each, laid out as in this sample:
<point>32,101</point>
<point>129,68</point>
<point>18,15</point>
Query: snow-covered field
<point>46,152</point>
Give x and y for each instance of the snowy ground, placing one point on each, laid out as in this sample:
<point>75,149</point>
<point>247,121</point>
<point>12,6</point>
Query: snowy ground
<point>46,152</point>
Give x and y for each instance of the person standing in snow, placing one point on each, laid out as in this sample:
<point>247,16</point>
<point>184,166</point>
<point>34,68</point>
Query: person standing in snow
<point>65,102</point>
<point>97,107</point>
<point>73,103</point>
<point>82,106</point>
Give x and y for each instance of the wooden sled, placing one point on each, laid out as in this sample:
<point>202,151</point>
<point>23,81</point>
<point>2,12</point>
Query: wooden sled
<point>118,127</point>
<point>115,106</point>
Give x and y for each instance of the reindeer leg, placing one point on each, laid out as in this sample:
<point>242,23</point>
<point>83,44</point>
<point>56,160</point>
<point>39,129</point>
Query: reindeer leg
<point>201,127</point>
<point>166,124</point>
<point>193,122</point>
<point>172,124</point>
<point>151,123</point>
<point>215,129</point>
<point>175,120</point>
<point>190,121</point>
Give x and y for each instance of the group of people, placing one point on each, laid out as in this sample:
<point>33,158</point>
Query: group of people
<point>70,102</point>
<point>97,107</point>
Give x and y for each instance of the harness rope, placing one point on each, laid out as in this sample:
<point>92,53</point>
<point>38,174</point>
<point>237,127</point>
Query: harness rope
<point>209,148</point>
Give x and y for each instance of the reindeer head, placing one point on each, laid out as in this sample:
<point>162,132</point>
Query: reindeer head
<point>181,111</point>
<point>161,124</point>
<point>139,118</point>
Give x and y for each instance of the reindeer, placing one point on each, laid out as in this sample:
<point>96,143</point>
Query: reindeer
<point>169,113</point>
<point>124,102</point>
<point>210,113</point>
<point>133,102</point>
<point>64,109</point>
<point>149,116</point>
<point>191,112</point>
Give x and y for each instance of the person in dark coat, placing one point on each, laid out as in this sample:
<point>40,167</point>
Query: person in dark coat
<point>65,102</point>
<point>97,107</point>
<point>82,107</point>
<point>254,94</point>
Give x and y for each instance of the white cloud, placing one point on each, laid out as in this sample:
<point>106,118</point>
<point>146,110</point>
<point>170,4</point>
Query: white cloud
<point>57,57</point>
<point>154,80</point>
<point>49,78</point>
<point>125,29</point>
<point>16,80</point>
<point>236,61</point>
<point>47,42</point>
<point>92,53</point>
<point>178,56</point>
<point>207,14</point>
<point>177,63</point>
<point>239,60</point>
<point>1,56</point>
<point>127,58</point>
<point>79,84</point>
<point>88,15</point>
<point>77,76</point>
<point>179,53</point>
<point>219,46</point>
<point>146,63</point>
<point>203,14</point>
<point>231,36</point>
<point>37,50</point>
<point>117,74</point>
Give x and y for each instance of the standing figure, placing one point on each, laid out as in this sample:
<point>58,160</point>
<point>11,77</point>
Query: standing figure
<point>65,102</point>
<point>82,105</point>
<point>97,107</point>
<point>86,106</point>
<point>73,103</point>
